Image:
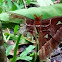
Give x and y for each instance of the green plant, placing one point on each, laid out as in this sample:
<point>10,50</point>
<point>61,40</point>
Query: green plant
<point>45,3</point>
<point>45,11</point>
<point>8,5</point>
<point>61,1</point>
<point>18,39</point>
<point>8,48</point>
<point>16,47</point>
<point>23,55</point>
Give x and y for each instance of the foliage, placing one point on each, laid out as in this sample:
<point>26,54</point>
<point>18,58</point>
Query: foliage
<point>6,18</point>
<point>16,29</point>
<point>8,50</point>
<point>55,10</point>
<point>52,0</point>
<point>16,47</point>
<point>7,37</point>
<point>8,7</point>
<point>23,55</point>
<point>18,39</point>
<point>45,2</point>
<point>61,1</point>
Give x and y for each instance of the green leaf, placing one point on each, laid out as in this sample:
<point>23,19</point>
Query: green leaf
<point>21,5</point>
<point>0,10</point>
<point>32,54</point>
<point>8,49</point>
<point>18,7</point>
<point>1,1</point>
<point>16,29</point>
<point>27,50</point>
<point>16,20</point>
<point>46,11</point>
<point>52,0</point>
<point>6,39</point>
<point>44,2</point>
<point>28,1</point>
<point>23,40</point>
<point>9,3</point>
<point>27,58</point>
<point>6,45</point>
<point>14,7</point>
<point>23,55</point>
<point>55,10</point>
<point>13,37</point>
<point>61,1</point>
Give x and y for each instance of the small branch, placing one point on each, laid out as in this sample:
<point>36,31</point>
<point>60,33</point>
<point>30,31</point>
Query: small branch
<point>36,42</point>
<point>3,57</point>
<point>16,47</point>
<point>24,3</point>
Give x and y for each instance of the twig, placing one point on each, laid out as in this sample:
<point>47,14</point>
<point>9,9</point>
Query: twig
<point>3,57</point>
<point>36,42</point>
<point>24,3</point>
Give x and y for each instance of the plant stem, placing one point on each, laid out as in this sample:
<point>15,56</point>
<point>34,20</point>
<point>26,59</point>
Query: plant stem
<point>24,3</point>
<point>36,42</point>
<point>16,47</point>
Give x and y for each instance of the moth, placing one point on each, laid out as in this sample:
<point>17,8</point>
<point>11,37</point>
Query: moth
<point>49,31</point>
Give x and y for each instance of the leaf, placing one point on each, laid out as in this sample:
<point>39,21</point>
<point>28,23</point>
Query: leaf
<point>25,52</point>
<point>9,3</point>
<point>21,5</point>
<point>13,7</point>
<point>0,10</point>
<point>23,40</point>
<point>1,1</point>
<point>55,10</point>
<point>16,20</point>
<point>52,0</point>
<point>27,58</point>
<point>6,39</point>
<point>28,2</point>
<point>44,2</point>
<point>32,54</point>
<point>60,1</point>
<point>8,50</point>
<point>13,37</point>
<point>16,29</point>
<point>6,45</point>
<point>18,7</point>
